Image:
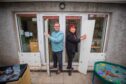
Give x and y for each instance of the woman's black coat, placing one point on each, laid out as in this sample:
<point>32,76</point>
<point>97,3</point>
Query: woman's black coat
<point>72,42</point>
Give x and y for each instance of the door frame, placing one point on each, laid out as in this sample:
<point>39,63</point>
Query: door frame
<point>62,16</point>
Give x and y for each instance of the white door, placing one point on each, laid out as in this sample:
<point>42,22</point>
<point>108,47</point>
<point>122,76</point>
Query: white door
<point>46,48</point>
<point>87,28</point>
<point>27,31</point>
<point>97,52</point>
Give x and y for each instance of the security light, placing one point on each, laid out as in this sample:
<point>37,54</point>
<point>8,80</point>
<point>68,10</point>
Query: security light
<point>62,5</point>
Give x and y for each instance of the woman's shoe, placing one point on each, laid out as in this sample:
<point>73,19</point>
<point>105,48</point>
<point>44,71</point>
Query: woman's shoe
<point>70,68</point>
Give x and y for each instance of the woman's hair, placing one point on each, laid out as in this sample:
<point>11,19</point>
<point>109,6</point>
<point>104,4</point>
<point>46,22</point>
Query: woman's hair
<point>71,26</point>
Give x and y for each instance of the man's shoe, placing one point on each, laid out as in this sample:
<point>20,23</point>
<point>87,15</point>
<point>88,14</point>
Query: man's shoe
<point>52,67</point>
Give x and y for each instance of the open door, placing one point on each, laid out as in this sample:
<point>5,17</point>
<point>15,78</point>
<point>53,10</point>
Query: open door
<point>48,25</point>
<point>85,46</point>
<point>46,46</point>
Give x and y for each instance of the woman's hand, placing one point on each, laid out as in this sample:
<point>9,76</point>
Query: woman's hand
<point>46,34</point>
<point>83,37</point>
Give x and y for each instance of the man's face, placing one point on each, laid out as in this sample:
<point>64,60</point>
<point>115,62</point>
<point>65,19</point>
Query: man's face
<point>57,26</point>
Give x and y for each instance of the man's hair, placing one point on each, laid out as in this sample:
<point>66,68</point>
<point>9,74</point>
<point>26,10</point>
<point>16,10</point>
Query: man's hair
<point>56,23</point>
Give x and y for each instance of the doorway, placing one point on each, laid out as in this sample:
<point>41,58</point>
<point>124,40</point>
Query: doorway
<point>47,22</point>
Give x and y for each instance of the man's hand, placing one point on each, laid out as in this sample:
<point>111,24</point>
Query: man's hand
<point>46,34</point>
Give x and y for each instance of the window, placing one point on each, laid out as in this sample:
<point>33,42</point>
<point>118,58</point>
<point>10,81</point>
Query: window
<point>99,31</point>
<point>27,24</point>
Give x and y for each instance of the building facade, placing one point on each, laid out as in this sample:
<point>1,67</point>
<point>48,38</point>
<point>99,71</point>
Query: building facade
<point>31,19</point>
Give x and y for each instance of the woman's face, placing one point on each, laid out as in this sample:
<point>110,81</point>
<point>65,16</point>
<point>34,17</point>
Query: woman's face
<point>72,29</point>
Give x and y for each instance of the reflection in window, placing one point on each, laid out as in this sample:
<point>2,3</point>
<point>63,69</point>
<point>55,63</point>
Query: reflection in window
<point>28,32</point>
<point>99,31</point>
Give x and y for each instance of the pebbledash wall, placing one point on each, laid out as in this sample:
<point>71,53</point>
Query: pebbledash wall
<point>116,46</point>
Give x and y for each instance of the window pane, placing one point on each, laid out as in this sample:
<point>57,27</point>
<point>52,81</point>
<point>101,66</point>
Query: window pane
<point>99,32</point>
<point>28,32</point>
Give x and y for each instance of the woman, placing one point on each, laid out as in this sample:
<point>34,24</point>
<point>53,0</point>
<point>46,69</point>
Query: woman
<point>71,44</point>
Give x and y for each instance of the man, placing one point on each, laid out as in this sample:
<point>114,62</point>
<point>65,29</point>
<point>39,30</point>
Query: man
<point>56,39</point>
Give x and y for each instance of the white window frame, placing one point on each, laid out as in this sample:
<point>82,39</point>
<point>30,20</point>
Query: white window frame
<point>63,25</point>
